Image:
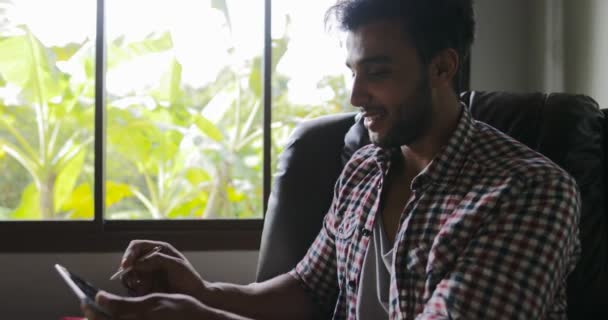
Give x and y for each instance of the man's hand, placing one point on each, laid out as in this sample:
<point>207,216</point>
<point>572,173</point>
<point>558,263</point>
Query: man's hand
<point>166,282</point>
<point>151,307</point>
<point>164,271</point>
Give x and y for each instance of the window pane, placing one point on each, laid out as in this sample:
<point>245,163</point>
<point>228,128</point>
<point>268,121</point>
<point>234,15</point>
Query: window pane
<point>184,108</point>
<point>309,74</point>
<point>46,109</point>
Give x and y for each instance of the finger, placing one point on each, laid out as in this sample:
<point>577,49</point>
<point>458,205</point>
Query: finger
<point>138,283</point>
<point>137,249</point>
<point>122,307</point>
<point>159,262</point>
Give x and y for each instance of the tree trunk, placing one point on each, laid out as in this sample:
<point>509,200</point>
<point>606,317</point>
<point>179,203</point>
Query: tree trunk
<point>47,195</point>
<point>217,196</point>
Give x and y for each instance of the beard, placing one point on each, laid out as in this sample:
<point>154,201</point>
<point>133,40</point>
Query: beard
<point>413,119</point>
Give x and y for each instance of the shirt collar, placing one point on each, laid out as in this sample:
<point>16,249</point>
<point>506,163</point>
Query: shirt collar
<point>447,164</point>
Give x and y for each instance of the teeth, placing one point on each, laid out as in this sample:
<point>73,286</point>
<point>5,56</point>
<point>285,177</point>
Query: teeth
<point>373,115</point>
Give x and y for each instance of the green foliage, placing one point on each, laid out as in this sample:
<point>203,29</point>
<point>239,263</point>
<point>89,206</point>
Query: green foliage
<point>208,128</point>
<point>29,208</point>
<point>122,52</point>
<point>55,161</point>
<point>172,153</point>
<point>25,63</point>
<point>116,192</point>
<point>79,206</point>
<point>67,178</point>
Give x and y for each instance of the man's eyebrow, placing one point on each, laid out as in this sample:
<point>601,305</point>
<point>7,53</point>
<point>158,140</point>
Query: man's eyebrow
<point>372,60</point>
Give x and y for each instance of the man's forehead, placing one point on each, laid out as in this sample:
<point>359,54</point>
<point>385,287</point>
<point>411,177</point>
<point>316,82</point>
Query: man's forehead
<point>385,38</point>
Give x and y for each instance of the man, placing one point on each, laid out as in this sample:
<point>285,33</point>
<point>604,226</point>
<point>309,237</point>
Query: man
<point>441,217</point>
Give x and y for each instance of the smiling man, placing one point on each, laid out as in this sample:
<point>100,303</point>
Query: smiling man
<point>442,217</point>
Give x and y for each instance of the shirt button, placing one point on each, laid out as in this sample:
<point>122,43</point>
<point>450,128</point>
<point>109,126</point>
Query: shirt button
<point>366,232</point>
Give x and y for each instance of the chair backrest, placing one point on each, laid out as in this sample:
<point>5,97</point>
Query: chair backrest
<point>568,129</point>
<point>301,192</point>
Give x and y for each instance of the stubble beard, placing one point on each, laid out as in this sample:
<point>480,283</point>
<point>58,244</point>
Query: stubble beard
<point>414,120</point>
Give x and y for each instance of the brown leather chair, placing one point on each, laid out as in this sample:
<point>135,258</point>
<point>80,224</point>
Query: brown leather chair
<point>568,129</point>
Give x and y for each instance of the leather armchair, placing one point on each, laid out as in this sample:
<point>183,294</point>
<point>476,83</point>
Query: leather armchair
<point>568,129</point>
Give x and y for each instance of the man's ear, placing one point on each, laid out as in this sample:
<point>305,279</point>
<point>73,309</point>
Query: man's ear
<point>443,67</point>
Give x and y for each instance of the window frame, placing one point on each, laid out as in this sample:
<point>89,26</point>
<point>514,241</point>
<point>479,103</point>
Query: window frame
<point>101,235</point>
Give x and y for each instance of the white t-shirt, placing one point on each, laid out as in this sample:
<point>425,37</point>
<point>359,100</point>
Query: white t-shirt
<point>375,276</point>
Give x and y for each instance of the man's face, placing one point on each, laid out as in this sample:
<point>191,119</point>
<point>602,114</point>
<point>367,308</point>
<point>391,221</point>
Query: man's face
<point>390,84</point>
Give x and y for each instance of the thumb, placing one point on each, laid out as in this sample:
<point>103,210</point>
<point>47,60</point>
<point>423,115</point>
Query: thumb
<point>104,299</point>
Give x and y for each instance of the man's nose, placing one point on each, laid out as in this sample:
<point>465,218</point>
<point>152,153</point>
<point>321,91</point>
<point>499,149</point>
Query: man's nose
<point>359,95</point>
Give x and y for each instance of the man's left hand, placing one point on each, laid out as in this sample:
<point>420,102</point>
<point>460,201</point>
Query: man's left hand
<point>150,307</point>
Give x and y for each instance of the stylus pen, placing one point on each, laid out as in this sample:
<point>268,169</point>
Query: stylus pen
<point>121,271</point>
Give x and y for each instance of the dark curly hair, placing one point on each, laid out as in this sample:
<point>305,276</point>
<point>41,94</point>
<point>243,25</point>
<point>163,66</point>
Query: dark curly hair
<point>431,25</point>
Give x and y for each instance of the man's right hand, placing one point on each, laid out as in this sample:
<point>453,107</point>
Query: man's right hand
<point>164,271</point>
<point>282,297</point>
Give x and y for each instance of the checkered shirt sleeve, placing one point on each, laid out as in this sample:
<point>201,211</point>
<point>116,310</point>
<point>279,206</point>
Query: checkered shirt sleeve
<point>517,263</point>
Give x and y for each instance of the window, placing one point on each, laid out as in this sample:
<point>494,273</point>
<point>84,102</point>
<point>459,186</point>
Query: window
<point>158,119</point>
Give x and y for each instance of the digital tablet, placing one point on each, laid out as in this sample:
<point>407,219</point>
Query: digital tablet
<point>83,290</point>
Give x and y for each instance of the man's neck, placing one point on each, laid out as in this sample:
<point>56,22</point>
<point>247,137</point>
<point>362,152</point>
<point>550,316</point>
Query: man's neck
<point>420,153</point>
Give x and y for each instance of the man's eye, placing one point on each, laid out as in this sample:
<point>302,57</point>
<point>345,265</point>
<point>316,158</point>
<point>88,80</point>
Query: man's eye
<point>378,73</point>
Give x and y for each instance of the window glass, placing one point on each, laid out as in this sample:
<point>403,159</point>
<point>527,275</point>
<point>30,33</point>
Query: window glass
<point>184,102</point>
<point>46,109</point>
<point>310,78</point>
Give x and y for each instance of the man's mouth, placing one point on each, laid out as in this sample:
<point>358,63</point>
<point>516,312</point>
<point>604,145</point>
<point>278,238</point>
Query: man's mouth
<point>372,118</point>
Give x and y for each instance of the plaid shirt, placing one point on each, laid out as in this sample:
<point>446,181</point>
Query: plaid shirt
<point>490,231</point>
